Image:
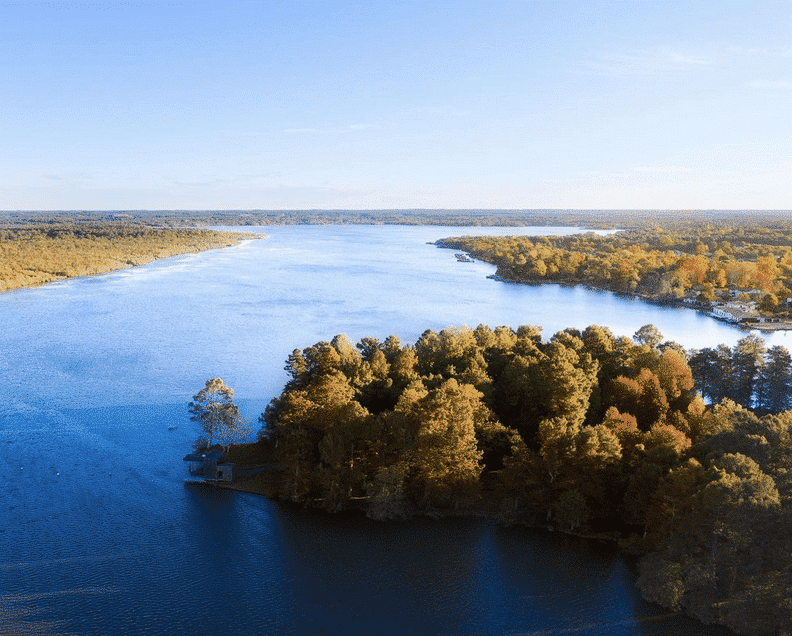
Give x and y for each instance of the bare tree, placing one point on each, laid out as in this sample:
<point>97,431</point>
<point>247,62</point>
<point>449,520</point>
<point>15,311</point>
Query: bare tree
<point>214,409</point>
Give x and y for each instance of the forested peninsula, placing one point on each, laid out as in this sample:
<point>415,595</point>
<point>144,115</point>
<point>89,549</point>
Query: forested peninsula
<point>586,432</point>
<point>46,248</point>
<point>737,269</point>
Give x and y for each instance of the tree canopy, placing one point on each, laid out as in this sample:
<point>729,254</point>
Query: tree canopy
<point>586,432</point>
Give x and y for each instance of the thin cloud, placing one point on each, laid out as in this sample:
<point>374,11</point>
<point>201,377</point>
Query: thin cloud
<point>309,131</point>
<point>646,62</point>
<point>765,51</point>
<point>771,85</point>
<point>329,131</point>
<point>661,169</point>
<point>198,184</point>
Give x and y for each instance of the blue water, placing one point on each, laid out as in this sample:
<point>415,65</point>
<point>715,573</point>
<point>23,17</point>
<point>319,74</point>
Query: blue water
<point>99,534</point>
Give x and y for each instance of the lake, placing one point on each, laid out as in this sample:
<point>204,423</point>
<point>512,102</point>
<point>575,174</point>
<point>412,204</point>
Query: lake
<point>99,534</point>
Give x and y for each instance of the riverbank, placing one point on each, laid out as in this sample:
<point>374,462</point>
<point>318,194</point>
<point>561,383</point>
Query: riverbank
<point>735,270</point>
<point>36,254</point>
<point>256,472</point>
<point>265,484</point>
<point>750,322</point>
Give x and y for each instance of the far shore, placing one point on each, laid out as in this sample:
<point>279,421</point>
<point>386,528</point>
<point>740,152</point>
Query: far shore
<point>38,254</point>
<point>780,325</point>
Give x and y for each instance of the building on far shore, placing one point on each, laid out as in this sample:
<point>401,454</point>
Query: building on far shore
<point>735,312</point>
<point>743,313</point>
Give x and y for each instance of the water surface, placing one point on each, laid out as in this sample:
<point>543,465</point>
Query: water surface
<point>99,534</point>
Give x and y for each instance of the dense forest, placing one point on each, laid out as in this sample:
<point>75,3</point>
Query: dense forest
<point>43,250</point>
<point>703,261</point>
<point>585,432</point>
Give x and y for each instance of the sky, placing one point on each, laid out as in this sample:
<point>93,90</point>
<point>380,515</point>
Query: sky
<point>291,104</point>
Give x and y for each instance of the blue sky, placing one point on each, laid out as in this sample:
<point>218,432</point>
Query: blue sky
<point>358,105</point>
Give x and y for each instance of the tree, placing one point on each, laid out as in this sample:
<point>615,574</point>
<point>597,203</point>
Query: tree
<point>214,409</point>
<point>713,371</point>
<point>676,378</point>
<point>642,397</point>
<point>624,426</point>
<point>748,361</point>
<point>567,380</point>
<point>769,303</point>
<point>775,383</point>
<point>648,335</point>
<point>236,434</point>
<point>447,460</point>
<point>571,509</point>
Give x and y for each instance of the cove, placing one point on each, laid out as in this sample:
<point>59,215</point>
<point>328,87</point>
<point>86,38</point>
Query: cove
<point>100,535</point>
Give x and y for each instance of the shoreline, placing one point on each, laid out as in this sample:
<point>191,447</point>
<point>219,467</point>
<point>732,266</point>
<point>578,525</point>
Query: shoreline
<point>76,257</point>
<point>783,325</point>
<point>258,485</point>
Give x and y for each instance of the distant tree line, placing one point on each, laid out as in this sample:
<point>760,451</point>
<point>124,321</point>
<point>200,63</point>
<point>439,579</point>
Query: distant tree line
<point>673,220</point>
<point>448,217</point>
<point>585,432</point>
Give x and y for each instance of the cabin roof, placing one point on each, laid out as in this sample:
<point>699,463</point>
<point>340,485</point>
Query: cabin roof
<point>212,455</point>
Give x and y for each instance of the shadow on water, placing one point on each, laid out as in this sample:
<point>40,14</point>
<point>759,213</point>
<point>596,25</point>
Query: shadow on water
<point>454,576</point>
<point>581,586</point>
<point>214,518</point>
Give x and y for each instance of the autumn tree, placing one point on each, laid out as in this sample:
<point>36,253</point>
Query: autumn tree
<point>708,563</point>
<point>446,459</point>
<point>586,431</point>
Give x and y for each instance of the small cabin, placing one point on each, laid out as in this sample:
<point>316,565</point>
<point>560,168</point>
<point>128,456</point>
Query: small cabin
<point>209,466</point>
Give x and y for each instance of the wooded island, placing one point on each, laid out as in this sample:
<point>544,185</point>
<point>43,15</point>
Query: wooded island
<point>586,433</point>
